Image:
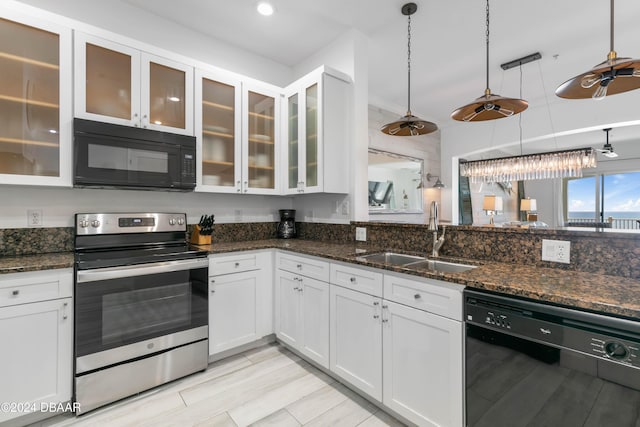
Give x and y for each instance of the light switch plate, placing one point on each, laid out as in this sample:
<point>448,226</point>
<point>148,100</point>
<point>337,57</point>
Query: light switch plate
<point>556,251</point>
<point>361,234</point>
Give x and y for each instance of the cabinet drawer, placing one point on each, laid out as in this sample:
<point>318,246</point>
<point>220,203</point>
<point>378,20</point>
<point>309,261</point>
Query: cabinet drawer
<point>441,298</point>
<point>309,267</point>
<point>21,288</point>
<point>358,279</point>
<point>225,264</point>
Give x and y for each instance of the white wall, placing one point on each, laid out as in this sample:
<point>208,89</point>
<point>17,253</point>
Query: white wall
<point>58,205</point>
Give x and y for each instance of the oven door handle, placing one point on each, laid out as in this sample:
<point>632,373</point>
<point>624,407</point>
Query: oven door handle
<point>121,272</point>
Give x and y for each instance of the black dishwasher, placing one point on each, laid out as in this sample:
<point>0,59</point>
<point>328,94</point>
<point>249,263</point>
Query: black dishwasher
<point>533,364</point>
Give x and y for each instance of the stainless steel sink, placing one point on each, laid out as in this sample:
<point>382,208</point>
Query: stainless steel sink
<point>392,258</point>
<point>443,266</point>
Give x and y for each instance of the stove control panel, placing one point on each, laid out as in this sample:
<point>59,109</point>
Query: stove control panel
<point>118,223</point>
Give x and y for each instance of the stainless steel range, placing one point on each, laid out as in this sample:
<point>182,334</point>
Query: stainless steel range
<point>141,308</point>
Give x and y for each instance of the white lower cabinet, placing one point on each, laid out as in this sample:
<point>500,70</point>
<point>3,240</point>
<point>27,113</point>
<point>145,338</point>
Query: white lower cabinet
<point>422,366</point>
<point>356,339</point>
<point>302,315</point>
<point>36,332</point>
<point>240,303</point>
<point>407,358</point>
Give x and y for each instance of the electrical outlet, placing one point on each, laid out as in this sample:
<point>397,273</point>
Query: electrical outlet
<point>556,251</point>
<point>361,234</point>
<point>345,207</point>
<point>34,218</point>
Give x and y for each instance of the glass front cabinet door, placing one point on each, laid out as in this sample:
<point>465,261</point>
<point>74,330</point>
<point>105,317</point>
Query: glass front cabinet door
<point>260,140</point>
<point>35,101</point>
<point>119,84</point>
<point>218,129</point>
<point>317,135</point>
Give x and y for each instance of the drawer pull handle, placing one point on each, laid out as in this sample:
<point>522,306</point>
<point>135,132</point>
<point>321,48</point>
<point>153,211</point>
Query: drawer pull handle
<point>352,280</point>
<point>417,296</point>
<point>15,292</point>
<point>376,303</point>
<point>237,264</point>
<point>299,266</point>
<point>64,311</point>
<point>375,316</point>
<point>213,291</point>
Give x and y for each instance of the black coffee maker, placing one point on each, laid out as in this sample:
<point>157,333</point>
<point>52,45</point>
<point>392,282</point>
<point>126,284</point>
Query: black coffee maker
<point>287,224</point>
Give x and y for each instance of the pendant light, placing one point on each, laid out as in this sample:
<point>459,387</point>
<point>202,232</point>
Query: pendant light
<point>409,125</point>
<point>615,75</point>
<point>489,106</point>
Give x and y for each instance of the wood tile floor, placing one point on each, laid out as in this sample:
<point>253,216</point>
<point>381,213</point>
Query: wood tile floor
<point>267,386</point>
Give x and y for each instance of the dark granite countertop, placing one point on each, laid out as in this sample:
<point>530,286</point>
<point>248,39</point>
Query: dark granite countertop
<point>21,263</point>
<point>601,293</point>
<point>596,292</point>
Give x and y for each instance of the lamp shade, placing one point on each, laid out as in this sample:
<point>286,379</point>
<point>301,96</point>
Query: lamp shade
<point>492,203</point>
<point>528,205</point>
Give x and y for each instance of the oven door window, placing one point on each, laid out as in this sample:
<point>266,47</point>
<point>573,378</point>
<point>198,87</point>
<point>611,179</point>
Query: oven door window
<point>116,312</point>
<point>118,161</point>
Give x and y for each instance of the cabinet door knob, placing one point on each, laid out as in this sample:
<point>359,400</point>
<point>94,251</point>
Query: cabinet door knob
<point>237,264</point>
<point>299,266</point>
<point>352,280</point>
<point>376,303</point>
<point>375,316</point>
<point>15,292</point>
<point>213,291</point>
<point>417,296</point>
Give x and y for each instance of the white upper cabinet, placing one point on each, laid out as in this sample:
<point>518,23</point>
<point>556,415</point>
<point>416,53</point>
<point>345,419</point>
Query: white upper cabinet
<point>120,84</point>
<point>260,139</point>
<point>317,134</point>
<point>35,100</point>
<point>218,128</point>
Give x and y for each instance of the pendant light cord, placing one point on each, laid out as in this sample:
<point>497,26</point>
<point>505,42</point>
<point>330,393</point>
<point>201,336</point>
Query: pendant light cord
<point>409,65</point>
<point>487,73</point>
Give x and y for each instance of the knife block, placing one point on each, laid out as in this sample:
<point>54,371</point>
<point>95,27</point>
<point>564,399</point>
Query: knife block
<point>199,239</point>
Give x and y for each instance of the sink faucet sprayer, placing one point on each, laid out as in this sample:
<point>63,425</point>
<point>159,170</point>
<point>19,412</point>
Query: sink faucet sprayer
<point>433,226</point>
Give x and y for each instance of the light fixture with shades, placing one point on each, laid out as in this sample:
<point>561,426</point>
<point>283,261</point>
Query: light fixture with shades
<point>489,106</point>
<point>438,183</point>
<point>607,150</point>
<point>615,75</point>
<point>550,165</point>
<point>492,204</point>
<point>529,205</point>
<point>409,125</point>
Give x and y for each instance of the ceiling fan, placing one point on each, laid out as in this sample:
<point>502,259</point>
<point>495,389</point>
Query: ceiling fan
<point>607,150</point>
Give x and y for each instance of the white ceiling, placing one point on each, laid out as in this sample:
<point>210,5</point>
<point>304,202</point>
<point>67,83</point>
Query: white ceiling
<point>448,45</point>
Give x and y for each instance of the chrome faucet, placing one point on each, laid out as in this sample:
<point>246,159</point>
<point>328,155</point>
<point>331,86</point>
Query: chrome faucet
<point>433,226</point>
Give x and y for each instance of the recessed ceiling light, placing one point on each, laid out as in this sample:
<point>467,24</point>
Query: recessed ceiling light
<point>265,9</point>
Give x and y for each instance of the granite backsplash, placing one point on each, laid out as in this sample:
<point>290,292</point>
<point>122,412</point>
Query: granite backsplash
<point>611,253</point>
<point>31,241</point>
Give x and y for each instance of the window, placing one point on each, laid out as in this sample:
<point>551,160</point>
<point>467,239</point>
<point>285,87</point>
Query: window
<point>611,201</point>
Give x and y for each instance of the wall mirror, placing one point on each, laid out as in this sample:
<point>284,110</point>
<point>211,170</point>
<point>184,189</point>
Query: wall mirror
<point>606,197</point>
<point>395,183</point>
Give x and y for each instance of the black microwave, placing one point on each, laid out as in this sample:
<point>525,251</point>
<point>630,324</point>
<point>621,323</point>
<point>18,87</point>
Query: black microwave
<point>114,156</point>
